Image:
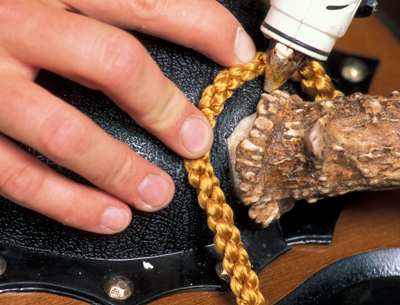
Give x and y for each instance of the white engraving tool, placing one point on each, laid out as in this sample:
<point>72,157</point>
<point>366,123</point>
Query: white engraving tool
<point>305,27</point>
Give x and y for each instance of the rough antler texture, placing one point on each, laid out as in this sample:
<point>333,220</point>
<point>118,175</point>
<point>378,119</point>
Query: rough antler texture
<point>301,150</point>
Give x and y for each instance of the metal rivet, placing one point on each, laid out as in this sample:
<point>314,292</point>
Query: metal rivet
<point>354,70</point>
<point>3,265</point>
<point>118,287</point>
<point>222,273</point>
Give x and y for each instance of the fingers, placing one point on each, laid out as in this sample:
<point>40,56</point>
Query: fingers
<point>33,116</point>
<point>203,25</point>
<point>102,57</point>
<point>28,182</point>
<point>106,58</point>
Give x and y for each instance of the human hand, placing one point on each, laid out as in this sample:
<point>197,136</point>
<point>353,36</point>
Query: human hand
<point>87,45</point>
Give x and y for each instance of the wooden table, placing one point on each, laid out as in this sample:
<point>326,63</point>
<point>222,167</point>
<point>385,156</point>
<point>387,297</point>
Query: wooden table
<point>370,224</point>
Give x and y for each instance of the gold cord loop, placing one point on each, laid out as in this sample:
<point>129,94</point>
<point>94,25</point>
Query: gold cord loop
<point>227,241</point>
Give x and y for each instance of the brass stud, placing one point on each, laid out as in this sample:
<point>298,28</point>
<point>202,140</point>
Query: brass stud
<point>118,288</point>
<point>222,273</point>
<point>3,265</point>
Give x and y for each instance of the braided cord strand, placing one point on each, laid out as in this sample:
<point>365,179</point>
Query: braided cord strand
<point>227,240</point>
<point>315,82</point>
<point>215,95</point>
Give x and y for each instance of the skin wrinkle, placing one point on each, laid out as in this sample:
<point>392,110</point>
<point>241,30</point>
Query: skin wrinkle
<point>116,67</point>
<point>144,12</point>
<point>18,184</point>
<point>168,114</point>
<point>62,137</point>
<point>25,91</point>
<point>69,215</point>
<point>150,10</point>
<point>61,4</point>
<point>122,174</point>
<point>122,64</point>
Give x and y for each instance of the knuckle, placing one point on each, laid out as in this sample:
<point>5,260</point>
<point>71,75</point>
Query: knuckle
<point>148,9</point>
<point>71,213</point>
<point>165,113</point>
<point>64,140</point>
<point>121,61</point>
<point>21,182</point>
<point>123,172</point>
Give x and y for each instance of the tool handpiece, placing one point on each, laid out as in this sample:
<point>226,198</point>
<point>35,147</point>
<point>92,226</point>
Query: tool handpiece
<point>305,27</point>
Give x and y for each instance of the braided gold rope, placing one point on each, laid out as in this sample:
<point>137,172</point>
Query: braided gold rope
<point>315,82</point>
<point>227,241</point>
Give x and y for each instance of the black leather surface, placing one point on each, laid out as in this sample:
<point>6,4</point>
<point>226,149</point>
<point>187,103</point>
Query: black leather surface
<point>180,226</point>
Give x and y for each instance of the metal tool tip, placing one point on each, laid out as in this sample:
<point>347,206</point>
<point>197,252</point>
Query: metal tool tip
<point>282,62</point>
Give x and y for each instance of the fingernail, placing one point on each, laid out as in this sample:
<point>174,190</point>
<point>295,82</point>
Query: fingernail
<point>155,191</point>
<point>196,136</point>
<point>245,50</point>
<point>115,219</point>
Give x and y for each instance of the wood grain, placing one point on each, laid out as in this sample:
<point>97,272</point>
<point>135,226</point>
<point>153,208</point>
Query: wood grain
<point>369,224</point>
<point>37,298</point>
